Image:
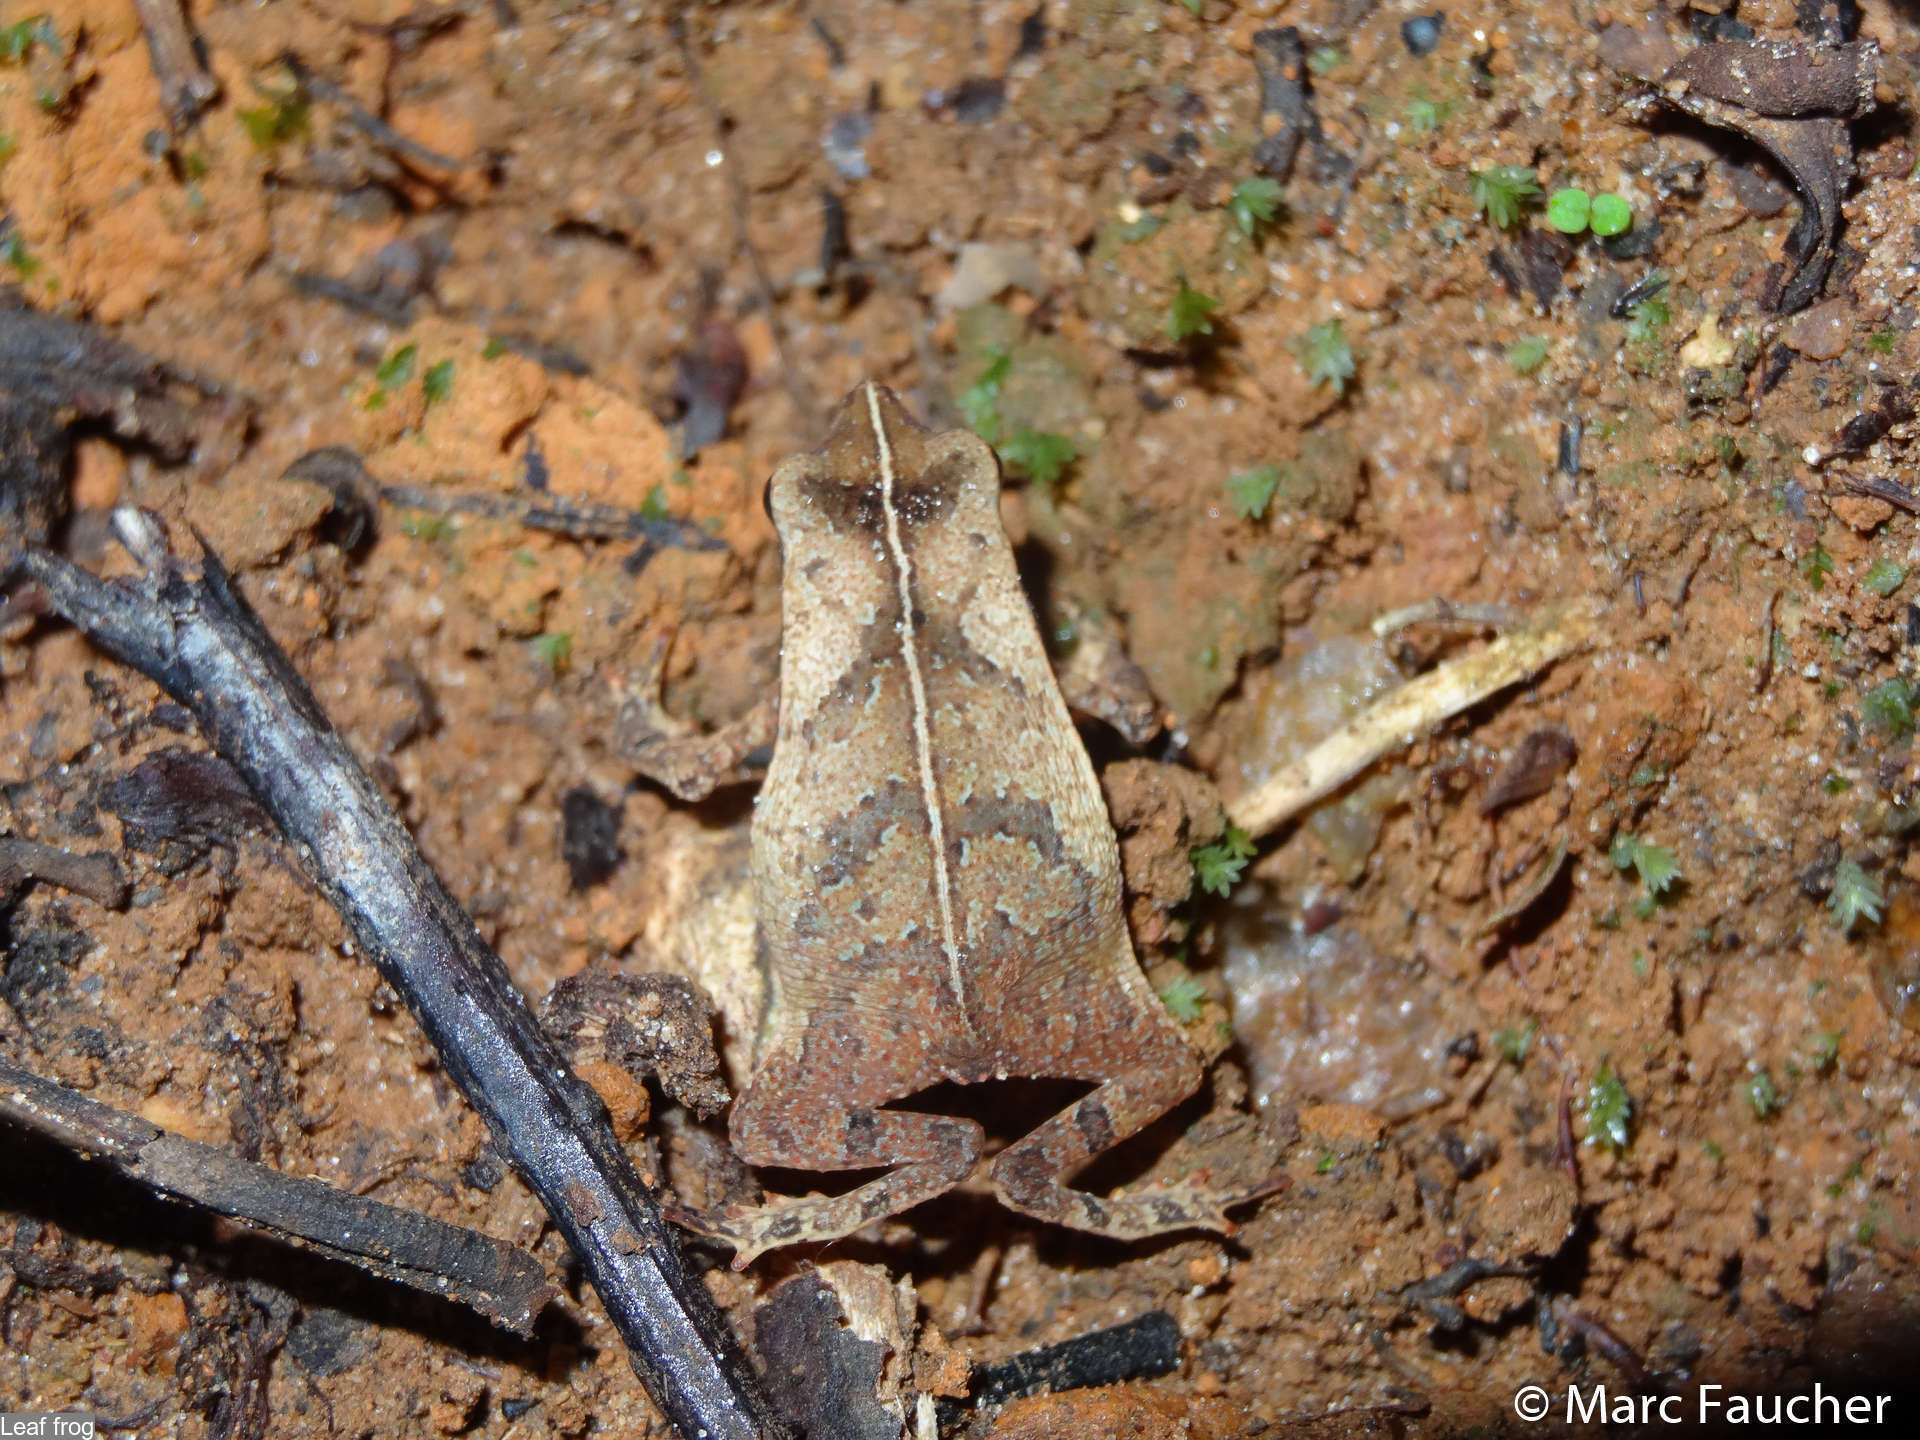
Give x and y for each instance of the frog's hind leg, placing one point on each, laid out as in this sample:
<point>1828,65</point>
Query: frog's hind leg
<point>783,1120</point>
<point>1153,1070</point>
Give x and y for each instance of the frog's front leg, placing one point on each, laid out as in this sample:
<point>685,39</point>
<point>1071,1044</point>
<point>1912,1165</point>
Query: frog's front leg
<point>1029,1175</point>
<point>780,1120</point>
<point>691,765</point>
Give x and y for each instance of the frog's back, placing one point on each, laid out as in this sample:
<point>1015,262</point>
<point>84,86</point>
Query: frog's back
<point>933,860</point>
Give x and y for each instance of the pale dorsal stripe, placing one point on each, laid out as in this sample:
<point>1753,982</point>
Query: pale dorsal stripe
<point>917,688</point>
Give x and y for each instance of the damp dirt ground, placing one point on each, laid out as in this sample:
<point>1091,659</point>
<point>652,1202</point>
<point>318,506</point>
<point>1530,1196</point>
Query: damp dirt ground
<point>1583,1024</point>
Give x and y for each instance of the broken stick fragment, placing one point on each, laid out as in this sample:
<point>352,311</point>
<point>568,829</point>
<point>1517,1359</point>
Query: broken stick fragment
<point>1402,716</point>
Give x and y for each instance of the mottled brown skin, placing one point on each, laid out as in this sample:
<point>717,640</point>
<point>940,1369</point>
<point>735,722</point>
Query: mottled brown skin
<point>936,879</point>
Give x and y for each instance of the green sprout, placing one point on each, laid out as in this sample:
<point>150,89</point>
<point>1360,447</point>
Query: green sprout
<point>1646,319</point>
<point>1325,59</point>
<point>1569,210</point>
<point>1145,228</point>
<point>1823,1049</point>
<point>1425,116</point>
<point>1184,997</point>
<point>1251,491</point>
<point>397,369</point>
<point>1881,342</point>
<point>1816,567</point>
<point>1326,356</point>
<point>1528,355</point>
<point>554,647</point>
<point>1512,1041</point>
<point>433,528</point>
<point>980,401</point>
<point>493,349</point>
<point>21,36</point>
<point>1609,1110</point>
<point>1255,202</point>
<point>1888,708</point>
<point>437,383</point>
<point>1762,1094</point>
<point>654,506</point>
<point>1656,865</point>
<point>1854,897</point>
<point>13,250</point>
<point>1187,316</point>
<point>1836,784</point>
<point>1193,7</point>
<point>1883,577</point>
<point>8,144</point>
<point>1502,191</point>
<point>282,118</point>
<point>1612,215</point>
<point>1218,866</point>
<point>1040,455</point>
<point>1327,1163</point>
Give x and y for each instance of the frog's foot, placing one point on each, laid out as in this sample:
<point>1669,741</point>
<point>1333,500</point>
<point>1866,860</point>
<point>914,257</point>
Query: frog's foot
<point>1027,1175</point>
<point>670,751</point>
<point>930,1155</point>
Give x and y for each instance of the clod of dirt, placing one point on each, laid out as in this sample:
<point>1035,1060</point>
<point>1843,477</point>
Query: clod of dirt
<point>55,373</point>
<point>660,1025</point>
<point>836,1344</point>
<point>1286,102</point>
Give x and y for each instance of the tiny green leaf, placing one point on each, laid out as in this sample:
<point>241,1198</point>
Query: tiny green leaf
<point>14,251</point>
<point>1656,865</point>
<point>1187,316</point>
<point>654,507</point>
<point>493,349</point>
<point>1325,59</point>
<point>397,369</point>
<point>1609,1110</point>
<point>1881,342</point>
<point>1612,215</point>
<point>1512,1041</point>
<point>1501,192</point>
<point>1528,355</point>
<point>1854,897</point>
<point>1883,577</point>
<point>1251,491</point>
<point>1569,210</point>
<point>980,402</point>
<point>1184,998</point>
<point>1040,455</point>
<point>1762,1094</point>
<point>21,36</point>
<point>554,648</point>
<point>437,383</point>
<point>1256,202</point>
<point>1816,567</point>
<point>1218,866</point>
<point>1326,356</point>
<point>1888,708</point>
<point>1142,229</point>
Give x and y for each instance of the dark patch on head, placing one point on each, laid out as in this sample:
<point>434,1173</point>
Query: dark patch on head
<point>853,839</point>
<point>855,507</point>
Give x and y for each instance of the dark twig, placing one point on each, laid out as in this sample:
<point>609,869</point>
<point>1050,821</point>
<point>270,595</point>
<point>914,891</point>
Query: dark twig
<point>196,637</point>
<point>579,519</point>
<point>1878,487</point>
<point>502,1282</point>
<point>1435,1293</point>
<point>95,875</point>
<point>365,121</point>
<point>186,88</point>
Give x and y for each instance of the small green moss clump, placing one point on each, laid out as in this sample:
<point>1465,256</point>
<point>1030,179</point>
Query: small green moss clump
<point>1883,577</point>
<point>1252,491</point>
<point>1326,356</point>
<point>1187,315</point>
<point>1219,866</point>
<point>1502,191</point>
<point>1854,897</point>
<point>1609,1110</point>
<point>1184,999</point>
<point>1256,202</point>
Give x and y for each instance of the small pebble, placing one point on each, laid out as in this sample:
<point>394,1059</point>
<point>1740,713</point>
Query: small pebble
<point>1422,33</point>
<point>1821,333</point>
